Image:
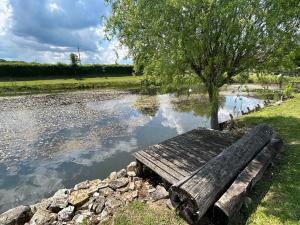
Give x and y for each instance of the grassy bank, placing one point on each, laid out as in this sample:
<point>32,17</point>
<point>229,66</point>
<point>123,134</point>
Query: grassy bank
<point>59,85</point>
<point>277,197</point>
<point>138,213</point>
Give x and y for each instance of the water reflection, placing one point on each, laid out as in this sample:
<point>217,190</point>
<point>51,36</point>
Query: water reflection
<point>45,148</point>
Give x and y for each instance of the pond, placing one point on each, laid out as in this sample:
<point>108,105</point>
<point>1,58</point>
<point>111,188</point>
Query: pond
<point>49,142</point>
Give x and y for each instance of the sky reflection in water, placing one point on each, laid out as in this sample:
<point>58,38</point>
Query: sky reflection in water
<point>46,149</point>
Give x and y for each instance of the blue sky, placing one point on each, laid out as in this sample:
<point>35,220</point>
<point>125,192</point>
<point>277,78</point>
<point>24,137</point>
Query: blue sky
<point>48,31</point>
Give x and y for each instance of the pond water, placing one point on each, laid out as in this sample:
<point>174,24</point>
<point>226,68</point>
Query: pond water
<point>53,142</point>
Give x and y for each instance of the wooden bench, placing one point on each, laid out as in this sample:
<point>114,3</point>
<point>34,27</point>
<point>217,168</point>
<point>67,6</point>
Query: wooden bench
<point>209,169</point>
<point>179,157</point>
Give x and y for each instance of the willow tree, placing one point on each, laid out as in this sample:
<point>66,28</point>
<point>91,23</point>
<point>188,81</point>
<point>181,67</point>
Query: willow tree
<point>213,39</point>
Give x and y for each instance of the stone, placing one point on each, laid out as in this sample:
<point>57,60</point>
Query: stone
<point>44,204</point>
<point>78,198</point>
<point>130,196</point>
<point>131,186</point>
<point>16,216</point>
<point>113,203</point>
<point>58,204</point>
<point>106,192</point>
<point>106,214</point>
<point>94,187</point>
<point>66,214</point>
<point>123,190</point>
<point>122,173</point>
<point>61,193</point>
<point>82,185</point>
<point>96,194</point>
<point>43,216</point>
<point>113,176</point>
<point>131,169</point>
<point>138,184</point>
<point>102,185</point>
<point>80,217</point>
<point>159,193</point>
<point>97,204</point>
<point>151,190</point>
<point>131,174</point>
<point>118,183</point>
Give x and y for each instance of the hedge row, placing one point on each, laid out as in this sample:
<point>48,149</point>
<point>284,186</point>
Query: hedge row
<point>22,70</point>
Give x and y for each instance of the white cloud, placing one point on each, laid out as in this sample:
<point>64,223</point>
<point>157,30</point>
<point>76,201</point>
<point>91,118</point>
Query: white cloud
<point>53,7</point>
<point>5,16</point>
<point>48,31</point>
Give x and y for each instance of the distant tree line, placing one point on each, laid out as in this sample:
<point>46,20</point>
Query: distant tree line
<point>45,71</point>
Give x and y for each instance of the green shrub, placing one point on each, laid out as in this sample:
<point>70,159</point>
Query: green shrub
<point>288,90</point>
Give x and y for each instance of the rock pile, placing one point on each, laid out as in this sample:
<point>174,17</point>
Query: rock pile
<point>89,202</point>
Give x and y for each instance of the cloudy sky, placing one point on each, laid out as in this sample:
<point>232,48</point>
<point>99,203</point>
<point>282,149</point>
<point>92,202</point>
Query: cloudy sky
<point>49,30</point>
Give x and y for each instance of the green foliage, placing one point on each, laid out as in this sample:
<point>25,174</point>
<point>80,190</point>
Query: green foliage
<point>216,40</point>
<point>74,59</point>
<point>288,90</point>
<point>12,71</point>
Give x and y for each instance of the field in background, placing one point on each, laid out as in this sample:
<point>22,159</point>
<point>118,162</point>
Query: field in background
<point>60,85</point>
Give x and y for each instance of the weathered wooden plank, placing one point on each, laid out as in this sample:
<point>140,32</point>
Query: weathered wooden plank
<point>192,159</point>
<point>159,171</point>
<point>202,189</point>
<point>180,156</point>
<point>198,150</point>
<point>160,164</point>
<point>231,201</point>
<point>167,159</point>
<point>217,141</point>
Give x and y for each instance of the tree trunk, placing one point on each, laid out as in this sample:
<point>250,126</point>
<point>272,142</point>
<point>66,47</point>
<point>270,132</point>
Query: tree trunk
<point>214,101</point>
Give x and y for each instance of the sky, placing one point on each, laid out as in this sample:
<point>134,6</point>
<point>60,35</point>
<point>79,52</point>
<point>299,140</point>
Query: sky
<point>47,31</point>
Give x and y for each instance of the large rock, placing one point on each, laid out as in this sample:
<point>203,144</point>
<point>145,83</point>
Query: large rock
<point>106,214</point>
<point>113,176</point>
<point>82,185</point>
<point>106,192</point>
<point>95,185</point>
<point>43,205</point>
<point>122,173</point>
<point>78,198</point>
<point>16,216</point>
<point>113,203</point>
<point>61,193</point>
<point>97,204</point>
<point>159,193</point>
<point>42,216</point>
<point>131,169</point>
<point>118,183</point>
<point>66,214</point>
<point>58,204</point>
<point>130,196</point>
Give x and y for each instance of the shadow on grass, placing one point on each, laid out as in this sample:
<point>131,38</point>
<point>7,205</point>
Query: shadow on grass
<point>277,196</point>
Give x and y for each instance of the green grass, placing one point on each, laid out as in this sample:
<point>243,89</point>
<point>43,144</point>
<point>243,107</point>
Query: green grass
<point>265,79</point>
<point>59,85</point>
<point>277,200</point>
<point>139,213</point>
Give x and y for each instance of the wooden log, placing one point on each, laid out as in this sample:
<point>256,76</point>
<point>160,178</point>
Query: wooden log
<point>227,207</point>
<point>197,194</point>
